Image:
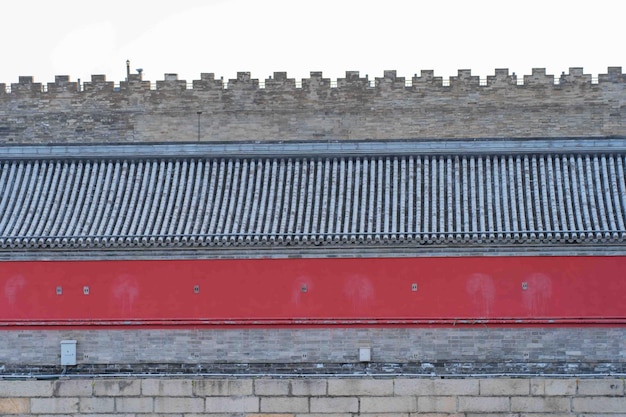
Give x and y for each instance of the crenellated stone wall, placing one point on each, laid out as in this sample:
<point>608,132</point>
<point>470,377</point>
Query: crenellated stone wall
<point>302,360</point>
<point>316,108</point>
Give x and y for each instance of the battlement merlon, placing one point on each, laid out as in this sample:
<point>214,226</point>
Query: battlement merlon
<point>354,107</point>
<point>279,81</point>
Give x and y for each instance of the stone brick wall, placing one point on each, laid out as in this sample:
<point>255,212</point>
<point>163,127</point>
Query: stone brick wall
<point>356,108</point>
<point>397,396</point>
<point>353,109</point>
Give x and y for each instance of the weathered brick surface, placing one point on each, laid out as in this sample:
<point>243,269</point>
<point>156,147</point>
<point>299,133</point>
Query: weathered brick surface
<point>223,387</point>
<point>504,386</point>
<point>169,387</point>
<point>134,404</point>
<point>595,415</point>
<point>270,415</point>
<point>330,414</point>
<point>484,404</point>
<point>72,387</point>
<point>540,405</point>
<point>599,405</point>
<point>436,404</point>
<point>491,415</point>
<point>215,415</point>
<point>358,386</point>
<point>14,405</point>
<point>334,405</point>
<point>178,404</point>
<point>600,387</point>
<point>115,387</point>
<point>54,405</point>
<point>284,404</point>
<point>443,415</point>
<point>553,387</point>
<point>271,387</point>
<point>96,405</point>
<point>436,387</point>
<point>308,387</point>
<point>385,415</point>
<point>388,404</point>
<point>25,388</point>
<point>232,405</point>
<point>550,415</point>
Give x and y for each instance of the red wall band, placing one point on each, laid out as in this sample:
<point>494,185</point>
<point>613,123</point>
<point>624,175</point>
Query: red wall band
<point>504,291</point>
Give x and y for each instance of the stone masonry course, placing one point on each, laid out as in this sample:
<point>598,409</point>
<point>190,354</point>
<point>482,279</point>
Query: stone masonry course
<point>248,396</point>
<point>352,108</point>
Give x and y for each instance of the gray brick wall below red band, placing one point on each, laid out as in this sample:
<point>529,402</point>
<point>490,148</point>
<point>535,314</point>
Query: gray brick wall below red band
<point>394,350</point>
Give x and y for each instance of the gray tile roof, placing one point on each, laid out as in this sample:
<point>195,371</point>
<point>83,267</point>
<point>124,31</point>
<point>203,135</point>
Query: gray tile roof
<point>415,199</point>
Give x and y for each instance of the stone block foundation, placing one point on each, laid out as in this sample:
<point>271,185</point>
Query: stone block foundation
<point>320,396</point>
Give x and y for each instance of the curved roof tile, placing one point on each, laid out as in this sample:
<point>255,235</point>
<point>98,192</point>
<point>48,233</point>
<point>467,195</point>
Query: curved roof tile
<point>417,199</point>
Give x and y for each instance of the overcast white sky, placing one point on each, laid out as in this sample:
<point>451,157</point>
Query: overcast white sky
<point>78,38</point>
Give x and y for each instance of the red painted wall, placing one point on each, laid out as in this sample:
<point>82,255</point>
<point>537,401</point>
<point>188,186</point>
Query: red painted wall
<point>372,291</point>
